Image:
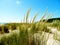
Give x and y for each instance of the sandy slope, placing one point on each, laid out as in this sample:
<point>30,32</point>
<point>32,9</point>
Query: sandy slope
<point>48,37</point>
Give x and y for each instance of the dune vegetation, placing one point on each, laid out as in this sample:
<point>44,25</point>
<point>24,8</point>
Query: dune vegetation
<point>27,33</point>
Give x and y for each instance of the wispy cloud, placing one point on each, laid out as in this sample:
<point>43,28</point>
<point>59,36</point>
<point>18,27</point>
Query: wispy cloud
<point>18,2</point>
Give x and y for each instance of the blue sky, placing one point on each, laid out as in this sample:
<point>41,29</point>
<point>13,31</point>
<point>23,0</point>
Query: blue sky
<point>14,10</point>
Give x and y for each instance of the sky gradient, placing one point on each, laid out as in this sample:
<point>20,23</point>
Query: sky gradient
<point>14,10</point>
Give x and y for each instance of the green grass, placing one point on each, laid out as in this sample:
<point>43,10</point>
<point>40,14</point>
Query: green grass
<point>27,31</point>
<point>56,24</point>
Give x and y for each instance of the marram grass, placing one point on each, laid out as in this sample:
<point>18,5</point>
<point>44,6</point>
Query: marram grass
<point>27,32</point>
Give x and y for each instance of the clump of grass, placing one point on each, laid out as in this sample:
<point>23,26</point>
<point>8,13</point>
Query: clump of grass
<point>27,32</point>
<point>56,24</point>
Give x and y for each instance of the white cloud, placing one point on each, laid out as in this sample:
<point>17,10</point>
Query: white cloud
<point>17,2</point>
